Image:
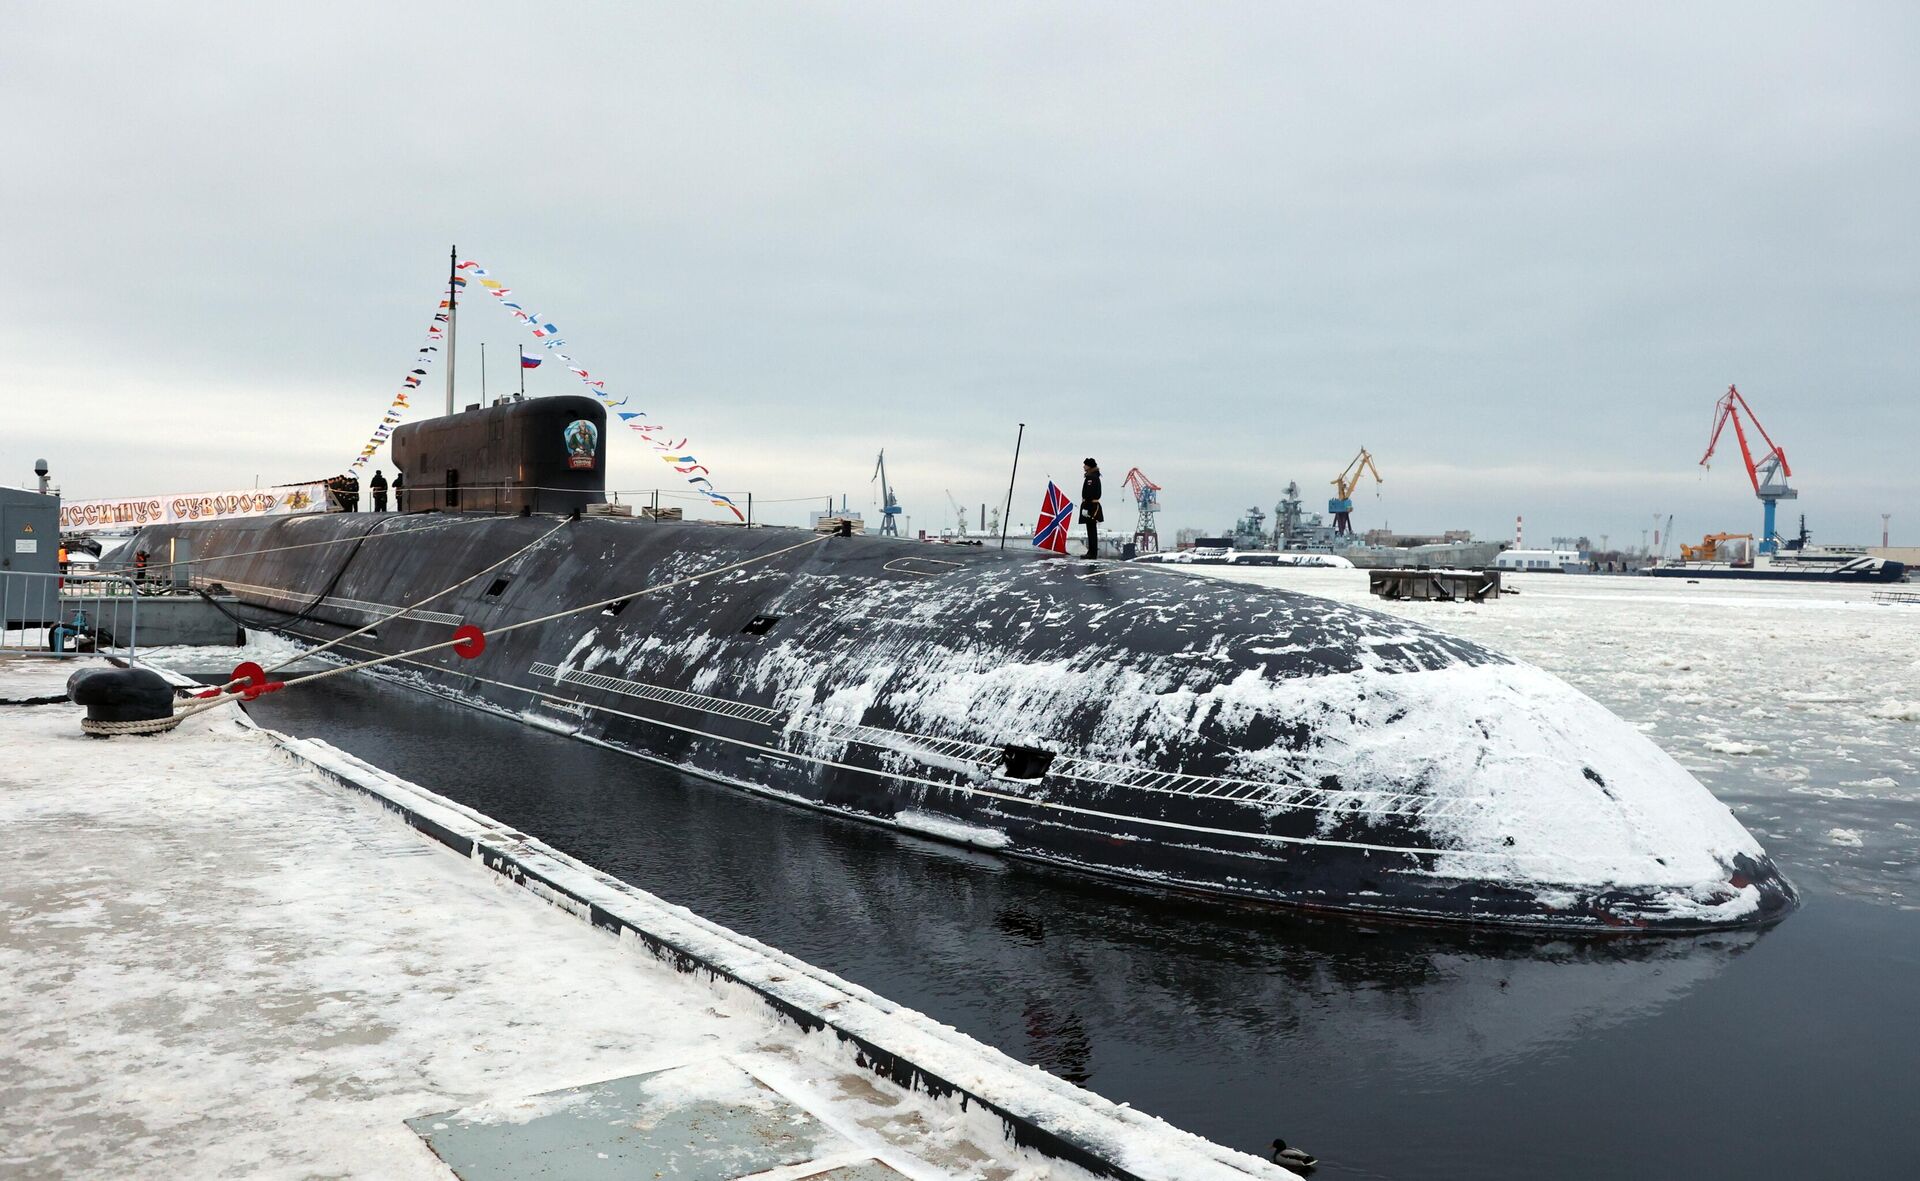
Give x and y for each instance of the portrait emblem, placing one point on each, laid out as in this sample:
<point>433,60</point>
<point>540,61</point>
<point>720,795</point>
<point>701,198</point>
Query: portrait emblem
<point>583,439</point>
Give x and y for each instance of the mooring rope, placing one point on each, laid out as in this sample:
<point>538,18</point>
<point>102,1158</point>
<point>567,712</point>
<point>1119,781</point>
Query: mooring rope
<point>463,638</point>
<point>403,611</point>
<point>415,606</point>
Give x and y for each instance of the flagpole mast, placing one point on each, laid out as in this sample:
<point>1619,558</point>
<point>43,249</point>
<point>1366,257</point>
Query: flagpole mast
<point>483,373</point>
<point>523,372</point>
<point>1017,440</point>
<point>453,317</point>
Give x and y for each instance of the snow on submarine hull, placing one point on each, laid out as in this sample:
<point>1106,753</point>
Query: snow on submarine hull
<point>1134,722</point>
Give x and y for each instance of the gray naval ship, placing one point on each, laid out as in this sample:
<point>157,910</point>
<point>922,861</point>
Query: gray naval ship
<point>1152,726</point>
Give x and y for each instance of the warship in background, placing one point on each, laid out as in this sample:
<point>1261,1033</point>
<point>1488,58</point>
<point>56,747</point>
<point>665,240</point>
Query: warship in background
<point>1301,538</point>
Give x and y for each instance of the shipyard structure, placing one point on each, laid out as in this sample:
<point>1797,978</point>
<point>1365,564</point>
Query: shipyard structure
<point>1295,530</point>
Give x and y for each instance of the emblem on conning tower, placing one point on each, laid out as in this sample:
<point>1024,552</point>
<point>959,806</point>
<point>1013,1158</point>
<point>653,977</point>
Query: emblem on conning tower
<point>583,439</point>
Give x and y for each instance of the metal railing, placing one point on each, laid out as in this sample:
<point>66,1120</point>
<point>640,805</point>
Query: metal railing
<point>509,497</point>
<point>63,615</point>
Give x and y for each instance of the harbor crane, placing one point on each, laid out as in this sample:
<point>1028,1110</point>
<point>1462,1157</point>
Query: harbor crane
<point>1341,506</point>
<point>1146,494</point>
<point>1768,473</point>
<point>889,504</point>
<point>959,515</point>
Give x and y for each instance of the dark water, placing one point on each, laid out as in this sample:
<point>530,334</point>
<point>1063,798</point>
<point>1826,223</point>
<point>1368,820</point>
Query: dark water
<point>1389,1052</point>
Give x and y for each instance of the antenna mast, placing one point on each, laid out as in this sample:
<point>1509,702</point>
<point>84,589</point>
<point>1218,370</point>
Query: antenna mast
<point>453,316</point>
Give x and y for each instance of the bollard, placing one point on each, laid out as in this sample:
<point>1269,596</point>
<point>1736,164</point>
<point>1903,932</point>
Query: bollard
<point>116,696</point>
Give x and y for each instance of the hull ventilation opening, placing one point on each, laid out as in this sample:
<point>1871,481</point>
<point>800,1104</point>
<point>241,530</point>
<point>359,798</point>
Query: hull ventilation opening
<point>499,586</point>
<point>759,625</point>
<point>1025,762</point>
<point>615,608</point>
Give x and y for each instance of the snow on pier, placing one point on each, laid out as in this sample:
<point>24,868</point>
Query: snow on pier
<point>227,953</point>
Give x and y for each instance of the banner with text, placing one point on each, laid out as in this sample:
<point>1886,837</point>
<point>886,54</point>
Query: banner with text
<point>137,511</point>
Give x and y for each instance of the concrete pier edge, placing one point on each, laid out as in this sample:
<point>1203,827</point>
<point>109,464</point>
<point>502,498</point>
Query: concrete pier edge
<point>1038,1111</point>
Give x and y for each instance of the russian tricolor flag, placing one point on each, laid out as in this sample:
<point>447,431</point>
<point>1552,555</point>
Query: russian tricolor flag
<point>527,362</point>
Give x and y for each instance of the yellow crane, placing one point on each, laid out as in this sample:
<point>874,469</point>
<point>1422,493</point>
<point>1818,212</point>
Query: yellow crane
<point>1341,506</point>
<point>1709,548</point>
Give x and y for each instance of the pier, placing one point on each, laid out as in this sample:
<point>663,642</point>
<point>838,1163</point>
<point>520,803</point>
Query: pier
<point>231,951</point>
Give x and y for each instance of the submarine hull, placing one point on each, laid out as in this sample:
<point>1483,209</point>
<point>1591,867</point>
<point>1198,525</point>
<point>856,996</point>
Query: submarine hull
<point>1138,723</point>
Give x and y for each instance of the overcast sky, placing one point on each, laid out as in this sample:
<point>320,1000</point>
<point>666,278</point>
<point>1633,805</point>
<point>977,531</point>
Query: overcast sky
<point>1517,251</point>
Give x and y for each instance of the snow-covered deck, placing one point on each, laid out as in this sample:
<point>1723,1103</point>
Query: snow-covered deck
<point>227,953</point>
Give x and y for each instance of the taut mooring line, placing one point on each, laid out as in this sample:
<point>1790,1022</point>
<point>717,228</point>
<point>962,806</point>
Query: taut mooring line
<point>415,606</point>
<point>468,640</point>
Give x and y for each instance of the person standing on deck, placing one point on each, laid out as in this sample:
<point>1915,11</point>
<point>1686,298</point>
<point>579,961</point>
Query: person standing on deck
<point>1090,512</point>
<point>353,493</point>
<point>378,486</point>
<point>399,492</point>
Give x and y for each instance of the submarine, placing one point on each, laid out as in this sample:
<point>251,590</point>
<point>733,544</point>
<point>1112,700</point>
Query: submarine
<point>1136,722</point>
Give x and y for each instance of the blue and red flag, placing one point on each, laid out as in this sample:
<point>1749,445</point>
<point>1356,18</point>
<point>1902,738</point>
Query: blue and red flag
<point>1056,519</point>
<point>527,362</point>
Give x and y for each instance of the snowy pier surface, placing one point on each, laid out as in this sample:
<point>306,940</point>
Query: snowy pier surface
<point>227,953</point>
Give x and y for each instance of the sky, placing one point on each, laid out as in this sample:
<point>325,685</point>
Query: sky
<point>1515,250</point>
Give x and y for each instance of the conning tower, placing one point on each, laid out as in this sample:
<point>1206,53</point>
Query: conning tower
<point>548,455</point>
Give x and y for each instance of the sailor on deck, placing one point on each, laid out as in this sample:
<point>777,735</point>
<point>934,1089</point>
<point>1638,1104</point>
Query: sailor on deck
<point>1090,512</point>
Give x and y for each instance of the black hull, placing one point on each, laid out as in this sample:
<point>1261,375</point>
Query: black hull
<point>822,676</point>
<point>1883,572</point>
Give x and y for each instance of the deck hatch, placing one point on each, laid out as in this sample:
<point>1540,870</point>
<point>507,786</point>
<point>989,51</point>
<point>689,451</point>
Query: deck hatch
<point>1025,762</point>
<point>759,625</point>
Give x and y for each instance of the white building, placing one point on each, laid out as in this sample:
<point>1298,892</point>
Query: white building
<point>1545,561</point>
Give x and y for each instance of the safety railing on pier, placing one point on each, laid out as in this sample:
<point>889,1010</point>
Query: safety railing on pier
<point>64,615</point>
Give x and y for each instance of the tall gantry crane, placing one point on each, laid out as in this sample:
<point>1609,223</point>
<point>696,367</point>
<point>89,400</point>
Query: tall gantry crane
<point>1146,494</point>
<point>1341,506</point>
<point>889,504</point>
<point>1768,473</point>
<point>959,515</point>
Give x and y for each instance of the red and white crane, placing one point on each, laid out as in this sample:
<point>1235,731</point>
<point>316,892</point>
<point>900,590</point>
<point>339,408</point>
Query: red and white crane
<point>1146,494</point>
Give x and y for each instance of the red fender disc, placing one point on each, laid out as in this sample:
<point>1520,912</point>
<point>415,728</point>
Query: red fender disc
<point>472,643</point>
